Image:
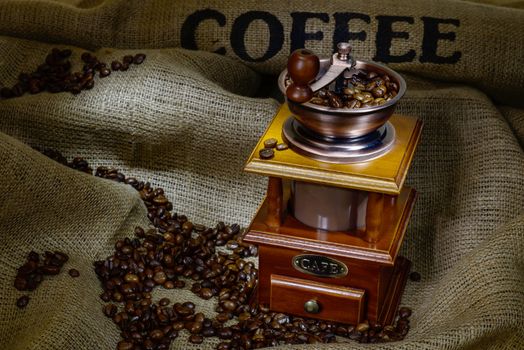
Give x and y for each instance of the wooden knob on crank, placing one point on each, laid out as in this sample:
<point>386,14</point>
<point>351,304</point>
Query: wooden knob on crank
<point>302,67</point>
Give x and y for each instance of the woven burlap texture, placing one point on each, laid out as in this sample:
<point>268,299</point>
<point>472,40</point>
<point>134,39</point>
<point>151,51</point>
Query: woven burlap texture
<point>489,38</point>
<point>187,121</point>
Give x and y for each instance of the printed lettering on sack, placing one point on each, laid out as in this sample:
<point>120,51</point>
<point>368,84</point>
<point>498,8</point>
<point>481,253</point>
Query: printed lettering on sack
<point>438,35</point>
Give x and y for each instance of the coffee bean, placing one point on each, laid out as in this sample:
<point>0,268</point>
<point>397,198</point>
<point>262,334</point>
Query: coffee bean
<point>232,244</point>
<point>266,153</point>
<point>104,72</point>
<point>370,86</point>
<point>139,58</point>
<point>28,268</point>
<point>379,101</point>
<point>258,336</point>
<point>187,226</point>
<point>130,277</point>
<point>189,305</point>
<point>392,86</point>
<point>117,296</point>
<point>20,283</point>
<point>164,302</point>
<point>353,104</point>
<point>229,305</point>
<point>74,273</point>
<point>319,101</point>
<point>128,59</point>
<point>49,270</point>
<point>362,327</point>
<point>160,200</point>
<point>57,258</point>
<point>196,339</point>
<point>223,317</point>
<point>378,92</point>
<point>105,296</point>
<point>89,84</point>
<point>199,317</point>
<point>404,312</point>
<point>115,65</point>
<point>100,65</point>
<point>208,332</point>
<point>34,87</point>
<point>159,277</point>
<point>156,334</point>
<point>33,256</point>
<point>194,327</point>
<point>86,57</point>
<point>75,90</point>
<point>206,293</point>
<point>348,91</point>
<point>270,143</point>
<point>367,95</point>
<point>371,75</point>
<point>199,228</point>
<point>128,288</point>
<point>335,101</point>
<point>177,326</point>
<point>402,323</point>
<point>22,301</point>
<point>125,345</point>
<point>110,310</point>
<point>183,310</point>
<point>6,92</point>
<point>223,346</point>
<point>367,100</point>
<point>414,276</point>
<point>225,333</point>
<point>360,97</point>
<point>282,147</point>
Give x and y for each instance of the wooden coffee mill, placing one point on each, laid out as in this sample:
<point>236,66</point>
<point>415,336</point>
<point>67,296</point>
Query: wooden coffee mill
<point>334,217</point>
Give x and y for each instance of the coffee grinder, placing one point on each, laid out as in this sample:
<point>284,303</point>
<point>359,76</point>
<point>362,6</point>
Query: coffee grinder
<point>336,210</point>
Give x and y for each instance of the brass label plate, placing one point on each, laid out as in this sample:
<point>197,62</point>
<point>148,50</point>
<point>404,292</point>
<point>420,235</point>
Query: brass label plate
<point>320,266</point>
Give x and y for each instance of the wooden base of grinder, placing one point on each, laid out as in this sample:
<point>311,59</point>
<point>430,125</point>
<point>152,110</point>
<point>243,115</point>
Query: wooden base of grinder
<point>333,276</point>
<point>293,301</point>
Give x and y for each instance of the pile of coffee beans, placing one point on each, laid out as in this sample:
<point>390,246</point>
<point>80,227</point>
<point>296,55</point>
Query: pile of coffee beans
<point>360,90</point>
<point>269,146</point>
<point>32,272</point>
<point>175,251</point>
<point>55,74</point>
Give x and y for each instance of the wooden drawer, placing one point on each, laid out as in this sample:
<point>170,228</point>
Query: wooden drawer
<point>335,303</point>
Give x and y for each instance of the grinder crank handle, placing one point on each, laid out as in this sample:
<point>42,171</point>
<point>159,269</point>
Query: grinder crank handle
<point>302,66</point>
<point>340,61</point>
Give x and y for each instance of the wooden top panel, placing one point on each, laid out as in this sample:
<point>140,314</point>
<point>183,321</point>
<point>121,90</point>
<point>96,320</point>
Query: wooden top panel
<point>295,235</point>
<point>385,174</point>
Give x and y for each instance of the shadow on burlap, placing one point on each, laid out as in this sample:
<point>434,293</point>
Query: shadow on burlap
<point>186,121</point>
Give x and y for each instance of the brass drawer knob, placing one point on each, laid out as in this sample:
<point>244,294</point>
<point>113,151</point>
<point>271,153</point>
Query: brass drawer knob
<point>312,306</point>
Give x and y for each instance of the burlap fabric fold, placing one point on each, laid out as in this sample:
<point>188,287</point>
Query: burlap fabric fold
<point>187,120</point>
<point>446,40</point>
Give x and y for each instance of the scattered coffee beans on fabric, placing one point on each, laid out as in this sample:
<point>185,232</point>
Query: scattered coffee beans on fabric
<point>175,251</point>
<point>55,74</point>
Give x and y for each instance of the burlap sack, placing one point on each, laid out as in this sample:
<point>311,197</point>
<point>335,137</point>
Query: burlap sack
<point>187,121</point>
<point>446,40</point>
